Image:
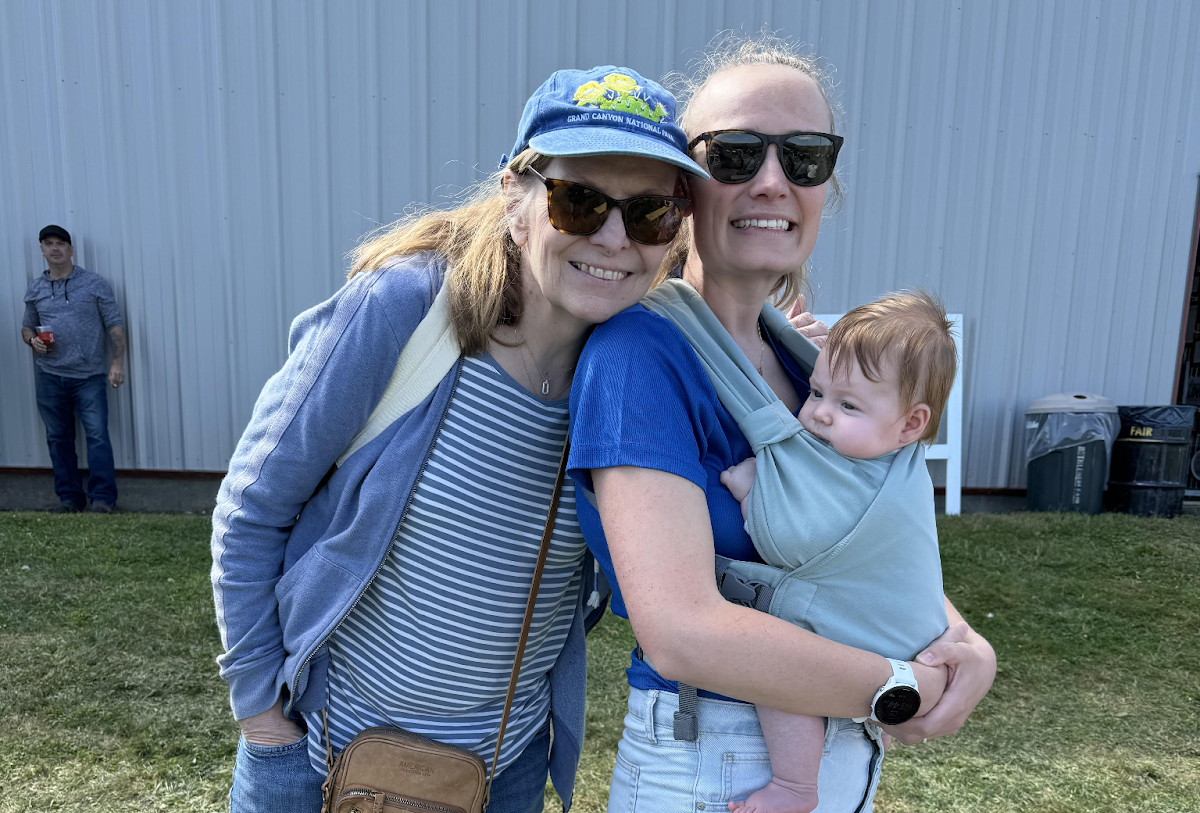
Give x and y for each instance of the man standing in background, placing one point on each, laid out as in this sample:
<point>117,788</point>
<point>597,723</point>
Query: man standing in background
<point>68,312</point>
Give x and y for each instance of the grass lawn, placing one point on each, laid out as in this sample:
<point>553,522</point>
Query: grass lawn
<point>109,699</point>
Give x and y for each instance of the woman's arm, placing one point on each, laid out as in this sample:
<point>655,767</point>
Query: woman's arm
<point>343,353</point>
<point>971,662</point>
<point>660,538</point>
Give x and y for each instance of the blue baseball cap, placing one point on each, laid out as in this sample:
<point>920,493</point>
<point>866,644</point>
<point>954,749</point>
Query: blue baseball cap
<point>604,111</point>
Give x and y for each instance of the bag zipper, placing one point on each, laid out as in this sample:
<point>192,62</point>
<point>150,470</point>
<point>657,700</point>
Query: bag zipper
<point>405,732</point>
<point>391,542</point>
<point>404,800</point>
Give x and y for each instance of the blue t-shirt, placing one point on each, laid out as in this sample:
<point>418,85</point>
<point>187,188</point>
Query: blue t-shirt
<point>640,397</point>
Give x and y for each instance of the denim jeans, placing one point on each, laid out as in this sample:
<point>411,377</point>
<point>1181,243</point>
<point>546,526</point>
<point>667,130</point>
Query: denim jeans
<point>59,400</point>
<point>281,779</point>
<point>655,773</point>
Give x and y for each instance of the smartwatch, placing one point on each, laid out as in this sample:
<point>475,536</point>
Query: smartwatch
<point>898,700</point>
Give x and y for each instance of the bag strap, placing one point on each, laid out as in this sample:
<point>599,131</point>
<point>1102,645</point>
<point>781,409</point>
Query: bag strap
<point>547,532</point>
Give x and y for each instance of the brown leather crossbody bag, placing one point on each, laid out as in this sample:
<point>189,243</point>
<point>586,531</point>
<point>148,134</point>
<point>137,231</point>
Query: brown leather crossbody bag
<point>390,770</point>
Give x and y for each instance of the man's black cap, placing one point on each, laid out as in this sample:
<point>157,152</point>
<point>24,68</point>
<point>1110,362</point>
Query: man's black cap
<point>55,231</point>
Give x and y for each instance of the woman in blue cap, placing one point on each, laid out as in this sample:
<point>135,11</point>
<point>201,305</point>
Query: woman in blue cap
<point>650,440</point>
<point>390,589</point>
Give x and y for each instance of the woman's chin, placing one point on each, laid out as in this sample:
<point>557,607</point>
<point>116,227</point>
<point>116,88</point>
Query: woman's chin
<point>595,309</point>
<point>600,312</point>
<point>767,268</point>
<point>598,303</point>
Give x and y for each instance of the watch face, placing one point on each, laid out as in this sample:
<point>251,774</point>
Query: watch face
<point>897,705</point>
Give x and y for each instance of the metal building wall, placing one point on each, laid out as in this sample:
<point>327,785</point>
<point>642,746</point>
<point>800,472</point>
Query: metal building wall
<point>1034,161</point>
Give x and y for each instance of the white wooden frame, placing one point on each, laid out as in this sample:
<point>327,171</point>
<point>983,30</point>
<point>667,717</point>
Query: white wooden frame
<point>951,450</point>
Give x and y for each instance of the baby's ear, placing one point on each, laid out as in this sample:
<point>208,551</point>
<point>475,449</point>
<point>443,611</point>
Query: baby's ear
<point>915,423</point>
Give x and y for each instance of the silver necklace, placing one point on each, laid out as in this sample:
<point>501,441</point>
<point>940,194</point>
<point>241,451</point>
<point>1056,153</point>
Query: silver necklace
<point>527,351</point>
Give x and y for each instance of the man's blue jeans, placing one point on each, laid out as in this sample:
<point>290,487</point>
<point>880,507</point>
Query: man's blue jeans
<point>59,400</point>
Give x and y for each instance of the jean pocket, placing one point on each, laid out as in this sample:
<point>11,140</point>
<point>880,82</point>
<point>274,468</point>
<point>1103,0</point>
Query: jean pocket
<point>742,774</point>
<point>275,779</point>
<point>273,750</point>
<point>622,792</point>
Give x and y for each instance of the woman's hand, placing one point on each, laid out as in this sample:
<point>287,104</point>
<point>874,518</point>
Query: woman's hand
<point>804,322</point>
<point>972,666</point>
<point>271,727</point>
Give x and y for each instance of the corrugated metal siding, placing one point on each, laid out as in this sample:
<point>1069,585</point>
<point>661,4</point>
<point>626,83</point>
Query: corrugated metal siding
<point>1035,162</point>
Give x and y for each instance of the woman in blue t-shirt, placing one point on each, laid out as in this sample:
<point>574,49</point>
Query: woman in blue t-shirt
<point>650,441</point>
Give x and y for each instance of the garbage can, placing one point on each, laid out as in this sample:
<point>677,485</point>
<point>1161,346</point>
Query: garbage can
<point>1068,441</point>
<point>1150,460</point>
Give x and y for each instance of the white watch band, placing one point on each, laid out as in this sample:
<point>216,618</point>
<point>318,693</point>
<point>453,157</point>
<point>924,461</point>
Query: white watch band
<point>902,675</point>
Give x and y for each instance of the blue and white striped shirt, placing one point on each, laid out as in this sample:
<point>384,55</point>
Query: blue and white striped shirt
<point>430,645</point>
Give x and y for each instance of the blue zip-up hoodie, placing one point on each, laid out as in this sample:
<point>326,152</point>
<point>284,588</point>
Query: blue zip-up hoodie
<point>292,551</point>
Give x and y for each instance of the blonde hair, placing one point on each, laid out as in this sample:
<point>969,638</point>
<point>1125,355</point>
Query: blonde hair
<point>484,277</point>
<point>909,332</point>
<point>732,50</point>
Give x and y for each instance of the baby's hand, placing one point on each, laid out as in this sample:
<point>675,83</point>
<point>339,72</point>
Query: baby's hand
<point>739,480</point>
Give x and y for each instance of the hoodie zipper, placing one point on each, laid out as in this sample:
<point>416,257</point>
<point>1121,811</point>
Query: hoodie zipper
<point>395,535</point>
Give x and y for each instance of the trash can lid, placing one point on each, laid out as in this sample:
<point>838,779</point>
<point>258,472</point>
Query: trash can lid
<point>1173,416</point>
<point>1071,402</point>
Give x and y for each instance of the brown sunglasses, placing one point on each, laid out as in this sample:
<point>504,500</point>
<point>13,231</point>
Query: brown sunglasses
<point>575,208</point>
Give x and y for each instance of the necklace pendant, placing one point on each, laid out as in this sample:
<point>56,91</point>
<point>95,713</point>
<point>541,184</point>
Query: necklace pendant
<point>545,388</point>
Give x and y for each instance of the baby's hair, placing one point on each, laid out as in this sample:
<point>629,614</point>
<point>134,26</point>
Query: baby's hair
<point>909,331</point>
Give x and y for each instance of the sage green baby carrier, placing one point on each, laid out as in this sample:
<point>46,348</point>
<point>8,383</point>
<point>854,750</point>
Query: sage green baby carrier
<point>850,545</point>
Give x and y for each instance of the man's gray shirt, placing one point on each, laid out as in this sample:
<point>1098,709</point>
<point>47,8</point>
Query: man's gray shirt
<point>80,309</point>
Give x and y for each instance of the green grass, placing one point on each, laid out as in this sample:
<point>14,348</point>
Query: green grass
<point>109,699</point>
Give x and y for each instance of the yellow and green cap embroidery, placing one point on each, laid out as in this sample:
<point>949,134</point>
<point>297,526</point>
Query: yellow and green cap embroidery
<point>619,92</point>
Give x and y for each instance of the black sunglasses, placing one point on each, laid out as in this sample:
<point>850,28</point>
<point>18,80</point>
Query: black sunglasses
<point>734,156</point>
<point>651,220</point>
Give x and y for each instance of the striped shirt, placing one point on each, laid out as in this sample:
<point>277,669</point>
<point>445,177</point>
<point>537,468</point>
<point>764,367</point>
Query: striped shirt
<point>430,645</point>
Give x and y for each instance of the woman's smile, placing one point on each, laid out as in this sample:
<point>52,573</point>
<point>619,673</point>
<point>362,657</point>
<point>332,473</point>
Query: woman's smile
<point>599,272</point>
<point>763,224</point>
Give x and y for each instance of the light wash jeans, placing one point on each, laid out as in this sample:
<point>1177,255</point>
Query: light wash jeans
<point>729,761</point>
<point>281,779</point>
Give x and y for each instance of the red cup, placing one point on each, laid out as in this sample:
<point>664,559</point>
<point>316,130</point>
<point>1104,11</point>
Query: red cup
<point>46,335</point>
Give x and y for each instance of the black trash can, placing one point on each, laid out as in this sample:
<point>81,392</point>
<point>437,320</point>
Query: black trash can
<point>1150,460</point>
<point>1067,440</point>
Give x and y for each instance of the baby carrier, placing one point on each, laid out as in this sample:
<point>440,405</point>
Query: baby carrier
<point>869,579</point>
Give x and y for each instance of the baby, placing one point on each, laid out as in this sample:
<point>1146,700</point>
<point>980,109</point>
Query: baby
<point>878,386</point>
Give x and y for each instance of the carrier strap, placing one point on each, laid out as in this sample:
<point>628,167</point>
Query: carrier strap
<point>686,726</point>
<point>746,592</point>
<point>754,594</point>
